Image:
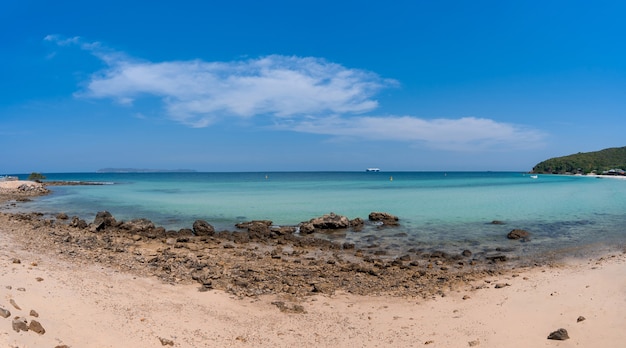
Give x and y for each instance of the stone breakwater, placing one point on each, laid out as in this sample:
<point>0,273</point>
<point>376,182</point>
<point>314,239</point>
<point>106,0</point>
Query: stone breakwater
<point>257,259</point>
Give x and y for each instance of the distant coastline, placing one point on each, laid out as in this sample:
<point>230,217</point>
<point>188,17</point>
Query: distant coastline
<point>140,170</point>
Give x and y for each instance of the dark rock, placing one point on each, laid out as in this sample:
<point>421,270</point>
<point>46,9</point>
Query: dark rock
<point>283,230</point>
<point>330,221</point>
<point>496,258</point>
<point>257,229</point>
<point>437,254</point>
<point>497,222</point>
<point>203,228</point>
<point>184,232</point>
<point>306,228</point>
<point>103,220</point>
<point>581,318</point>
<point>62,216</point>
<point>78,223</point>
<point>560,335</point>
<point>33,313</point>
<point>357,224</point>
<point>166,342</point>
<point>4,313</point>
<point>522,235</point>
<point>138,225</point>
<point>385,218</point>
<point>466,253</point>
<point>35,326</point>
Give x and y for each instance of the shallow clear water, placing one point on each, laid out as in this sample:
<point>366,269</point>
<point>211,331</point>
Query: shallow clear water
<point>450,211</point>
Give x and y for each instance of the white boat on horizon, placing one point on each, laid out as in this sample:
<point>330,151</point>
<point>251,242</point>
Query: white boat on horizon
<point>372,170</point>
<point>534,176</point>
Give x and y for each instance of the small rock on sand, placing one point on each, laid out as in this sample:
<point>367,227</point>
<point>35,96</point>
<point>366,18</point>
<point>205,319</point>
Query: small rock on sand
<point>12,301</point>
<point>20,324</point>
<point>581,318</point>
<point>559,335</point>
<point>166,342</point>
<point>33,313</point>
<point>4,313</point>
<point>35,326</point>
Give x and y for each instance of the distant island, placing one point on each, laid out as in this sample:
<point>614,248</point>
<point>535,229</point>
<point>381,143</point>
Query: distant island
<point>137,170</point>
<point>610,161</point>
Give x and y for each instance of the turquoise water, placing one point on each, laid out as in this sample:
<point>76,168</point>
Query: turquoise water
<point>437,210</point>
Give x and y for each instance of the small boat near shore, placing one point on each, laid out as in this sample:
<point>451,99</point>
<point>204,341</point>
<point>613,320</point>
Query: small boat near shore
<point>534,176</point>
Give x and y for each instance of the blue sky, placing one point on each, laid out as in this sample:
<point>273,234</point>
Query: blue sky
<point>308,85</point>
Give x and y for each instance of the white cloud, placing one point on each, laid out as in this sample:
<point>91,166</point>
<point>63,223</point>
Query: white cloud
<point>198,93</point>
<point>463,134</point>
<point>302,94</point>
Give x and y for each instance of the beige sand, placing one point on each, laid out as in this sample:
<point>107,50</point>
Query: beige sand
<point>14,184</point>
<point>82,305</point>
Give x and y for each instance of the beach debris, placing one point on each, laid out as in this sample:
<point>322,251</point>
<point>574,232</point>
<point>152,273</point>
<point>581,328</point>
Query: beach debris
<point>21,289</point>
<point>20,324</point>
<point>473,343</point>
<point>39,279</point>
<point>429,342</point>
<point>16,260</point>
<point>518,234</point>
<point>166,342</point>
<point>5,313</point>
<point>501,285</point>
<point>466,297</point>
<point>203,228</point>
<point>559,335</point>
<point>62,346</point>
<point>33,313</point>
<point>12,302</point>
<point>36,327</point>
<point>580,318</point>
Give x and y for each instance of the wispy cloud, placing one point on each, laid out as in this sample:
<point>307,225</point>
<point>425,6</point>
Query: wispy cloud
<point>302,94</point>
<point>463,134</point>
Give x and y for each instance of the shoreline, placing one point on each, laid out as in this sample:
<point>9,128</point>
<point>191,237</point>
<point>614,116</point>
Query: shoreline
<point>82,303</point>
<point>88,286</point>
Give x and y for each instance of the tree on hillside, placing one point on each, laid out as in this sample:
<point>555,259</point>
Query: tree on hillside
<point>36,177</point>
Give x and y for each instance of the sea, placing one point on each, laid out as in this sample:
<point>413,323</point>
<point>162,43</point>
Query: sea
<point>446,211</point>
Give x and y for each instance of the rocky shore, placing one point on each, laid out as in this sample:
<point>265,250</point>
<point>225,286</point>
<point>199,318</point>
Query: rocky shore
<point>67,282</point>
<point>256,258</point>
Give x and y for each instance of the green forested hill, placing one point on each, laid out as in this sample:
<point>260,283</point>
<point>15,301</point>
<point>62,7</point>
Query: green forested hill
<point>586,162</point>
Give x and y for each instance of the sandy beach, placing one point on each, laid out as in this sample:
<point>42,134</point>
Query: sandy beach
<point>83,297</point>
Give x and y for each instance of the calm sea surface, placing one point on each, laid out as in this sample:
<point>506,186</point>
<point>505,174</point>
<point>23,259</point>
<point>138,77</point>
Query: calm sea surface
<point>446,211</point>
